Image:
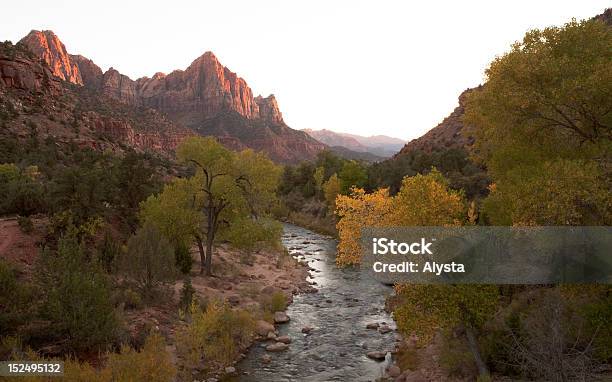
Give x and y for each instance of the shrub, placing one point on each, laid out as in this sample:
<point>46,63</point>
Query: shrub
<point>25,223</point>
<point>215,335</point>
<point>149,260</point>
<point>277,302</point>
<point>152,364</point>
<point>187,292</point>
<point>15,300</point>
<point>76,296</point>
<point>183,258</point>
<point>109,251</point>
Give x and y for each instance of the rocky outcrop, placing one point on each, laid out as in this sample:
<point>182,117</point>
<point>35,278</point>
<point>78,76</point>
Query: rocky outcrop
<point>120,87</point>
<point>19,71</point>
<point>48,46</point>
<point>450,133</point>
<point>91,74</point>
<point>268,109</point>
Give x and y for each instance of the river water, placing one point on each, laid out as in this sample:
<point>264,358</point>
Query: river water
<point>335,350</point>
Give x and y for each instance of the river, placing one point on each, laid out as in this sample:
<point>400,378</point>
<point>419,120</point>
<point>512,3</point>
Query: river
<point>335,350</point>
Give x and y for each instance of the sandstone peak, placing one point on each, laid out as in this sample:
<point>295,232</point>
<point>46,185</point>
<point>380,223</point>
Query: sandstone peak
<point>47,46</point>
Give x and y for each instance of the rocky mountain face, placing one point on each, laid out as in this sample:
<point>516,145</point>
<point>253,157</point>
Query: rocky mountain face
<point>35,101</point>
<point>206,97</point>
<point>48,46</point>
<point>450,133</point>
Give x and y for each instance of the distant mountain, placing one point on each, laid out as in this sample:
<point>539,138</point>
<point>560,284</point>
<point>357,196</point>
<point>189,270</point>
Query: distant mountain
<point>206,97</point>
<point>379,145</point>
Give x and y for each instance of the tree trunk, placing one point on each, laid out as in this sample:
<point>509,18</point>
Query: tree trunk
<point>202,253</point>
<point>209,252</point>
<point>483,370</point>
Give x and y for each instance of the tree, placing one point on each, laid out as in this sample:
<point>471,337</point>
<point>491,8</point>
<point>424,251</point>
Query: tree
<point>352,175</point>
<point>176,213</point>
<point>427,200</point>
<point>230,186</point>
<point>423,309</point>
<point>356,211</point>
<point>331,189</point>
<point>76,296</point>
<point>149,260</point>
<point>318,177</point>
<point>544,113</point>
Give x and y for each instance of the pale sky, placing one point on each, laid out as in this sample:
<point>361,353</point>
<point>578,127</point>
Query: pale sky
<point>365,67</point>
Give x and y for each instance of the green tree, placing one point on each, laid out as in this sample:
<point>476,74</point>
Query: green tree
<point>149,260</point>
<point>318,177</point>
<point>543,127</point>
<point>76,297</point>
<point>352,174</point>
<point>331,189</point>
<point>230,187</point>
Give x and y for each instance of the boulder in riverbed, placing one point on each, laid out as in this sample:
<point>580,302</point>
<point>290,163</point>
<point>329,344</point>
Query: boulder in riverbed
<point>384,329</point>
<point>377,355</point>
<point>263,328</point>
<point>284,339</point>
<point>372,325</point>
<point>280,317</point>
<point>279,346</point>
<point>306,329</point>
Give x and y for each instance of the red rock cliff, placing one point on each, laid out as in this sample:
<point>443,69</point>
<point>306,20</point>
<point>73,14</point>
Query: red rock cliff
<point>48,46</point>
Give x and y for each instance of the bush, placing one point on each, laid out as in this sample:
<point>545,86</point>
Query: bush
<point>152,364</point>
<point>183,258</point>
<point>76,297</point>
<point>25,223</point>
<point>187,292</point>
<point>109,251</point>
<point>149,260</point>
<point>15,300</point>
<point>277,302</point>
<point>216,335</point>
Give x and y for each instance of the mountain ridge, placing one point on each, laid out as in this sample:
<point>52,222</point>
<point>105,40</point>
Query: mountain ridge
<point>205,97</point>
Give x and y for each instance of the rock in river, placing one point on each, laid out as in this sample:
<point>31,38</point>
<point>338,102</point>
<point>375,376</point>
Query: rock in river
<point>373,325</point>
<point>284,339</point>
<point>281,317</point>
<point>377,355</point>
<point>263,328</point>
<point>279,346</point>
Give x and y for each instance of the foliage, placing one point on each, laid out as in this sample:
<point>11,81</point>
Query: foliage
<point>215,335</point>
<point>543,127</point>
<point>249,234</point>
<point>187,293</point>
<point>462,173</point>
<point>23,193</point>
<point>276,302</point>
<point>356,211</point>
<point>15,300</point>
<point>425,308</point>
<point>227,189</point>
<point>76,296</point>
<point>182,257</point>
<point>426,200</point>
<point>149,260</point>
<point>152,363</point>
<point>174,211</point>
<point>352,174</point>
<point>422,200</point>
<point>25,224</point>
<point>331,189</point>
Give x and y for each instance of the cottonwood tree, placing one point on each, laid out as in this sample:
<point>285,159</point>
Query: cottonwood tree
<point>543,127</point>
<point>227,188</point>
